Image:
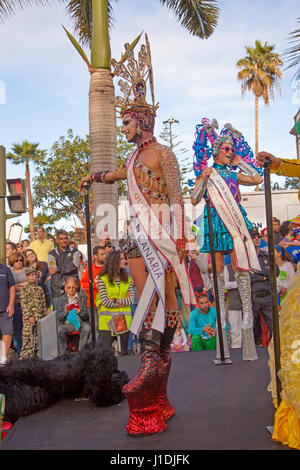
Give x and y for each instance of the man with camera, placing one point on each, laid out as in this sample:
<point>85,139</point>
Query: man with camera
<point>72,315</point>
<point>63,262</point>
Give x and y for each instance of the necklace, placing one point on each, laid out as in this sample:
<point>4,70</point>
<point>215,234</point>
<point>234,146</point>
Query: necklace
<point>146,142</point>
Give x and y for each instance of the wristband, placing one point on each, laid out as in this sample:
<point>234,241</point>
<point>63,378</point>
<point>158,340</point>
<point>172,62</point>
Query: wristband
<point>100,177</point>
<point>249,170</point>
<point>199,191</point>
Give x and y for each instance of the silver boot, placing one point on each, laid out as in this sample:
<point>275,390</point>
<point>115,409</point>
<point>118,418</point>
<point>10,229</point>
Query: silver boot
<point>244,287</point>
<point>221,290</point>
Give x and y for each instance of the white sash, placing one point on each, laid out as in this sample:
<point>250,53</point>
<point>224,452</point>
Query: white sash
<point>230,214</point>
<point>158,249</point>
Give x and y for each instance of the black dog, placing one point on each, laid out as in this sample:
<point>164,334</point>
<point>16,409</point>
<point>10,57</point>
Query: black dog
<point>30,385</point>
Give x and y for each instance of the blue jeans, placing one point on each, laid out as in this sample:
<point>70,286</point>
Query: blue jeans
<point>18,327</point>
<point>130,340</point>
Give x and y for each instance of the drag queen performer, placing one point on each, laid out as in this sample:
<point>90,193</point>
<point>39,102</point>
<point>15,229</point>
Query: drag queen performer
<point>156,207</point>
<point>230,224</point>
<point>287,416</point>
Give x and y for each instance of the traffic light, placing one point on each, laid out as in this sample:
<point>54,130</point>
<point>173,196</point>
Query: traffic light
<point>17,195</point>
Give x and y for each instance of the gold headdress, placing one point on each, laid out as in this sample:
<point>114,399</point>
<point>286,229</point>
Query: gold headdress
<point>135,75</point>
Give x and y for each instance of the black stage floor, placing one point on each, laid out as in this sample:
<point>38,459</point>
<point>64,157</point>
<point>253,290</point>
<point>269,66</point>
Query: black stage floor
<point>217,407</point>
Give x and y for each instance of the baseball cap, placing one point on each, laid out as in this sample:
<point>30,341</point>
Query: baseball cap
<point>30,270</point>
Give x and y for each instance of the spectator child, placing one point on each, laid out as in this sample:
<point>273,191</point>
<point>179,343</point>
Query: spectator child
<point>181,342</point>
<point>34,309</point>
<point>285,263</point>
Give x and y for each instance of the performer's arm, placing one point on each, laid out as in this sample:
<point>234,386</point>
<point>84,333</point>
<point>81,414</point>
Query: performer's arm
<point>200,186</point>
<point>171,173</point>
<point>108,177</point>
<point>250,177</point>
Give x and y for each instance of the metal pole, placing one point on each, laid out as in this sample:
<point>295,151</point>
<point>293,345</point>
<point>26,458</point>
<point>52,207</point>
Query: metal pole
<point>90,265</point>
<point>273,284</point>
<point>222,361</point>
<point>2,204</point>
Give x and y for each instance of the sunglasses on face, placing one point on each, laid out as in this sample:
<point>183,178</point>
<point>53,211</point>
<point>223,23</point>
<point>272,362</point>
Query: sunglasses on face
<point>228,149</point>
<point>20,259</point>
<point>255,236</point>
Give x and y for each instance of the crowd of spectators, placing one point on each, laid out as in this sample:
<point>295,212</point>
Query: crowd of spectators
<point>51,275</point>
<point>200,323</point>
<point>48,275</point>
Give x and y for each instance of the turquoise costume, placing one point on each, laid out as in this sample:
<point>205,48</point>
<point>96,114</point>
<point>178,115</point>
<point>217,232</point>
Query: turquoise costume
<point>222,238</point>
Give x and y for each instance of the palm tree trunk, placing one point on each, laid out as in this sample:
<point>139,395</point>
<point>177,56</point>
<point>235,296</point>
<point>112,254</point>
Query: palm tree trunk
<point>256,125</point>
<point>256,132</point>
<point>29,198</point>
<point>102,121</point>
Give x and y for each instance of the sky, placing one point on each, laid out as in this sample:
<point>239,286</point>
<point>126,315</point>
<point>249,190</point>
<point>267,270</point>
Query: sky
<point>44,83</point>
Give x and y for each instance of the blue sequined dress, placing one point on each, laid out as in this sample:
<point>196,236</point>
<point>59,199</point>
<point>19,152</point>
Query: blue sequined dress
<point>222,238</point>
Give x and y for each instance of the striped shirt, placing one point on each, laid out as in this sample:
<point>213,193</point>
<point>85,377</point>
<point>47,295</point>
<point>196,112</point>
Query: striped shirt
<point>110,303</point>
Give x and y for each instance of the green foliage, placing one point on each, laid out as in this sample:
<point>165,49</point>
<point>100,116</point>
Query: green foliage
<point>26,152</point>
<point>184,161</point>
<point>124,150</point>
<point>45,221</point>
<point>292,55</point>
<point>291,183</point>
<point>260,70</point>
<point>56,185</point>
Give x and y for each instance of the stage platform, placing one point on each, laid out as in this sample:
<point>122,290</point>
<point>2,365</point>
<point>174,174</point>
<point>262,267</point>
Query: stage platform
<point>223,407</point>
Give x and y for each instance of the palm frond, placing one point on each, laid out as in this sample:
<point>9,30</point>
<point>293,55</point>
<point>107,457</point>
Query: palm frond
<point>198,17</point>
<point>292,54</point>
<point>81,13</point>
<point>260,70</point>
<point>9,7</point>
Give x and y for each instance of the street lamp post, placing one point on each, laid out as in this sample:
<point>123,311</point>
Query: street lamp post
<point>171,121</point>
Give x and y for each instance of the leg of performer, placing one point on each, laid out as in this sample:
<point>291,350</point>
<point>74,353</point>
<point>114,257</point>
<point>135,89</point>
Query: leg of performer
<point>172,315</point>
<point>165,406</point>
<point>141,392</point>
<point>244,287</point>
<point>221,289</point>
<point>235,325</point>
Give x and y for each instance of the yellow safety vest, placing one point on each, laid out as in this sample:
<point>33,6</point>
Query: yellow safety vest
<point>113,292</point>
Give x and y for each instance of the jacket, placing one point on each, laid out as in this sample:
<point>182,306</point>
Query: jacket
<point>63,300</point>
<point>84,282</point>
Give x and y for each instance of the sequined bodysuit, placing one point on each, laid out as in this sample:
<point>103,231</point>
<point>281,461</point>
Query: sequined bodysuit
<point>161,191</point>
<point>222,238</point>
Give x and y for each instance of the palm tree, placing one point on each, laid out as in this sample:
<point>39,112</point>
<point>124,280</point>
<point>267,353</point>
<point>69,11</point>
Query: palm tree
<point>27,152</point>
<point>92,19</point>
<point>292,55</point>
<point>260,73</point>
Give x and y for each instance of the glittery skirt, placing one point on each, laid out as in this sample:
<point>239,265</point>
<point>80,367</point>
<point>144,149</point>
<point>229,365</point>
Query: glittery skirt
<point>222,238</point>
<point>133,250</point>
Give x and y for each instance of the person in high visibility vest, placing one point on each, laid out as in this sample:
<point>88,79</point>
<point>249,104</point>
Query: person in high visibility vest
<point>114,300</point>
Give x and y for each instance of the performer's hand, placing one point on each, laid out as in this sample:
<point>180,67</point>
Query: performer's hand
<point>235,160</point>
<point>85,179</point>
<point>206,173</point>
<point>261,158</point>
<point>31,320</point>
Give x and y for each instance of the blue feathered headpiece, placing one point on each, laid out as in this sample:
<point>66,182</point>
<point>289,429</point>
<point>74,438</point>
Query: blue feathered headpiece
<point>205,138</point>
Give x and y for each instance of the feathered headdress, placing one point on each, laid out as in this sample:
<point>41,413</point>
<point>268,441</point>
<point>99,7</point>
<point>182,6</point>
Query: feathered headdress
<point>207,143</point>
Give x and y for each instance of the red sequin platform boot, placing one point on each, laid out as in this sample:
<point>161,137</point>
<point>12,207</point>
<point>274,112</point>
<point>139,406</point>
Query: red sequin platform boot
<point>165,406</point>
<point>144,413</point>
